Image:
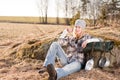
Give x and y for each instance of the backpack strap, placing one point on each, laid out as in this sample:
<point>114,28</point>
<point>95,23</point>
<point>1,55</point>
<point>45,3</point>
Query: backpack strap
<point>91,53</point>
<point>112,54</point>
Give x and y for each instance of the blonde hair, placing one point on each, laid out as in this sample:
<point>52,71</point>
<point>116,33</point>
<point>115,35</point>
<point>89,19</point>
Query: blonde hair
<point>74,35</point>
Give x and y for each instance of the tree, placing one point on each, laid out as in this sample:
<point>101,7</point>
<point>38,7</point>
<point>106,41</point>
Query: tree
<point>93,10</point>
<point>66,11</point>
<point>103,15</point>
<point>43,8</point>
<point>114,11</point>
<point>84,6</point>
<point>71,8</point>
<point>109,12</point>
<point>74,18</point>
<point>58,9</point>
<point>46,10</point>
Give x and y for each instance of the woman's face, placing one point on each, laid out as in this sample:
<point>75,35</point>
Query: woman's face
<point>78,30</point>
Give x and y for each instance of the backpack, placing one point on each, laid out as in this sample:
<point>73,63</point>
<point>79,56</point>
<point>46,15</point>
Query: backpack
<point>100,49</point>
<point>105,46</point>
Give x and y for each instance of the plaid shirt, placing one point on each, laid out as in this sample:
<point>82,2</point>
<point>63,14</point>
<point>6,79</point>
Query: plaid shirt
<point>73,47</point>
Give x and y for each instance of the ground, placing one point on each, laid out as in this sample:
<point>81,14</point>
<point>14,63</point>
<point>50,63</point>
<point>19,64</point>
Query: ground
<point>27,69</point>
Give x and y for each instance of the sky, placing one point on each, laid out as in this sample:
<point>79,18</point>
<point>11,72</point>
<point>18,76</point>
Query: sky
<point>25,8</point>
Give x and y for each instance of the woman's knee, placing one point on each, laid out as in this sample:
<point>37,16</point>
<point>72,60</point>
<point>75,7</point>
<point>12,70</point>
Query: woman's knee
<point>76,65</point>
<point>55,44</point>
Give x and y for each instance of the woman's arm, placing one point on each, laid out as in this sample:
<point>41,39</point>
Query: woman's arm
<point>93,40</point>
<point>62,40</point>
<point>89,41</point>
<point>64,34</point>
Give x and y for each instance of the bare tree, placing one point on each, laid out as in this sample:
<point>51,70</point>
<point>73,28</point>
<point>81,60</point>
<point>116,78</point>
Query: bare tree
<point>90,9</point>
<point>39,4</point>
<point>84,7</point>
<point>66,11</point>
<point>46,9</point>
<point>42,8</point>
<point>109,12</point>
<point>58,6</point>
<point>71,8</point>
<point>114,11</point>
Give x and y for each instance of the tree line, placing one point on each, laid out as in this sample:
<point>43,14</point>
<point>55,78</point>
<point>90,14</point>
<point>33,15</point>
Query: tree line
<point>95,12</point>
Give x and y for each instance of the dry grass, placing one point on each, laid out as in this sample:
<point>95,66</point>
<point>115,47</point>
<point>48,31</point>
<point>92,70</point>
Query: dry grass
<point>109,33</point>
<point>13,31</point>
<point>23,19</point>
<point>16,69</point>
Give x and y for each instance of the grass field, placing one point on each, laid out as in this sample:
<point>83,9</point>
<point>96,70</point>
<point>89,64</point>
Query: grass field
<point>27,69</point>
<point>22,19</point>
<point>13,31</point>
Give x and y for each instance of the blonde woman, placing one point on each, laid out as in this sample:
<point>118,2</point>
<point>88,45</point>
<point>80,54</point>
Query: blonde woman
<point>72,59</point>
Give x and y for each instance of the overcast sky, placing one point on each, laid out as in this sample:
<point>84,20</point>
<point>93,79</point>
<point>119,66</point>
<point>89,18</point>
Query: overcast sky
<point>25,8</point>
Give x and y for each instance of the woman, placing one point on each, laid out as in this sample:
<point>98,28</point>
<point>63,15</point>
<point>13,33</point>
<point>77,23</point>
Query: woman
<point>72,59</point>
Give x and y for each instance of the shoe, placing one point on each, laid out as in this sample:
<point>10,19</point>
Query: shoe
<point>42,70</point>
<point>52,72</point>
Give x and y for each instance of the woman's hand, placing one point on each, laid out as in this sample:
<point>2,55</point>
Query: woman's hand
<point>84,44</point>
<point>70,30</point>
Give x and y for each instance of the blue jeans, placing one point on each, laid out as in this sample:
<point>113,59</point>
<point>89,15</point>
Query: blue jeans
<point>56,50</point>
